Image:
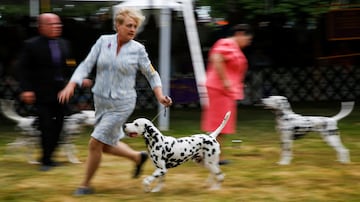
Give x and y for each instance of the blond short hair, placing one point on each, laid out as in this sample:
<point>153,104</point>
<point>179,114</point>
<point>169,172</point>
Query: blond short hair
<point>132,13</point>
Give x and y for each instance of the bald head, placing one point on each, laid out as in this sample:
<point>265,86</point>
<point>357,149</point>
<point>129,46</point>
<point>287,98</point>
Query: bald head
<point>49,25</point>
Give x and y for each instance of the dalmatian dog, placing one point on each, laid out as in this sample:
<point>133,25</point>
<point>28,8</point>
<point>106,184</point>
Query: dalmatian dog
<point>168,152</point>
<point>293,126</point>
<point>28,127</point>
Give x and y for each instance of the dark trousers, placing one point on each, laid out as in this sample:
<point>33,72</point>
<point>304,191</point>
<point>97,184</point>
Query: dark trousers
<point>51,120</point>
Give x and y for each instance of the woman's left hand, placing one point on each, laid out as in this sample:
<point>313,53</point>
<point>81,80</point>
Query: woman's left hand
<point>166,101</point>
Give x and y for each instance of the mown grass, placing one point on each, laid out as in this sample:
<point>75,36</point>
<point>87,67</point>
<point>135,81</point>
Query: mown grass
<point>253,174</point>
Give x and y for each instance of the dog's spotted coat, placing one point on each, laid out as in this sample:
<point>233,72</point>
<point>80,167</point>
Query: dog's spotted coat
<point>168,152</point>
<point>30,133</point>
<point>292,126</point>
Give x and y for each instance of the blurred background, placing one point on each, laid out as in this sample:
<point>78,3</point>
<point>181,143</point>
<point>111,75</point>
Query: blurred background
<point>307,50</point>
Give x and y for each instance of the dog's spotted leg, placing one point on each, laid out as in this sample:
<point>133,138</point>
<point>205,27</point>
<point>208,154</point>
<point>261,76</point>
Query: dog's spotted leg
<point>32,146</point>
<point>286,147</point>
<point>333,139</point>
<point>159,185</point>
<point>214,181</point>
<point>158,174</point>
<point>216,177</point>
<point>70,150</point>
<point>146,183</point>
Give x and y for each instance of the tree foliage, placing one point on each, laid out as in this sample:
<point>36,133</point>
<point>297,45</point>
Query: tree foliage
<point>63,8</point>
<point>293,10</point>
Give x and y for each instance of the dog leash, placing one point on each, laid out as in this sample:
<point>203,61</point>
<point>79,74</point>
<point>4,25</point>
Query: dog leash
<point>158,114</point>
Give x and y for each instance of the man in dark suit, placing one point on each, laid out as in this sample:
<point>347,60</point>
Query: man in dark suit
<point>44,65</point>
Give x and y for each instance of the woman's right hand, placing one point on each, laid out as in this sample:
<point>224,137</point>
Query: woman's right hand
<point>65,94</point>
<point>227,85</point>
<point>87,83</point>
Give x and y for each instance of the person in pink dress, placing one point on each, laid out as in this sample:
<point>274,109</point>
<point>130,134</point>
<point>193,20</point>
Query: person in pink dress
<point>226,70</point>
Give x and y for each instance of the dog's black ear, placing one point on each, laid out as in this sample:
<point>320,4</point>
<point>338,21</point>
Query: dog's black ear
<point>147,128</point>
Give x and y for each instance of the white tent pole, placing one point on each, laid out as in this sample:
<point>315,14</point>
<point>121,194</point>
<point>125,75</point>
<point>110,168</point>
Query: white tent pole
<point>164,65</point>
<point>195,50</point>
<point>34,6</point>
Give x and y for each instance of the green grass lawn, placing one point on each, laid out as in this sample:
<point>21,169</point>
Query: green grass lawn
<point>253,174</point>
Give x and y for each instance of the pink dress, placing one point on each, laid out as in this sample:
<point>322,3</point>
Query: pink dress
<point>220,99</point>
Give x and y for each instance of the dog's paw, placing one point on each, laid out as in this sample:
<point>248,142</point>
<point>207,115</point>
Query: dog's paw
<point>146,184</point>
<point>74,161</point>
<point>285,160</point>
<point>33,162</point>
<point>157,188</point>
<point>146,188</point>
<point>345,160</point>
<point>283,163</point>
<point>216,186</point>
<point>344,157</point>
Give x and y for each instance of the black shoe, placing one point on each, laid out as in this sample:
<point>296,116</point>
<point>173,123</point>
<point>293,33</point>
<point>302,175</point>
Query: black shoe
<point>55,164</point>
<point>224,162</point>
<point>49,166</point>
<point>83,191</point>
<point>45,167</point>
<point>138,168</point>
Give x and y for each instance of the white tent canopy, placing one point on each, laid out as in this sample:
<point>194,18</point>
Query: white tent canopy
<point>152,4</point>
<point>149,7</point>
<point>165,7</point>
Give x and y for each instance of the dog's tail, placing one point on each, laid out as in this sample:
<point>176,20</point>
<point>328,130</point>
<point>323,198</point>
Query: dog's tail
<point>215,133</point>
<point>346,108</point>
<point>8,109</point>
